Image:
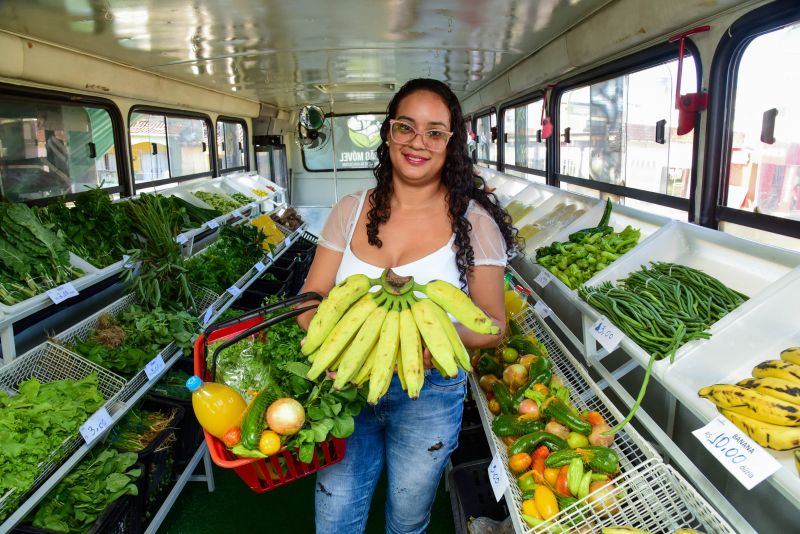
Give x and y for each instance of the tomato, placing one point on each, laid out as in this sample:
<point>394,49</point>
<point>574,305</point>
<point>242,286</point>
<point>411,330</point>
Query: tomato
<point>269,443</point>
<point>519,463</point>
<point>494,407</point>
<point>529,508</point>
<point>232,437</point>
<point>546,503</point>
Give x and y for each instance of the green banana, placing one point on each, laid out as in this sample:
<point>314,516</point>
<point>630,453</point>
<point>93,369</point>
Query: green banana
<point>409,362</point>
<point>386,353</point>
<point>458,304</point>
<point>332,308</point>
<point>460,351</point>
<point>436,340</point>
<point>356,353</point>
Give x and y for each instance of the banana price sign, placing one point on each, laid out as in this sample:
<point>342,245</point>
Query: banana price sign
<point>739,454</point>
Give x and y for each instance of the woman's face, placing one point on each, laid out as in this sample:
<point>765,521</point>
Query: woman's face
<point>413,162</point>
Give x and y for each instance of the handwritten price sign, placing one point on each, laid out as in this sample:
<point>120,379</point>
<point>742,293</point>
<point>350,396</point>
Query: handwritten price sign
<point>543,278</point>
<point>543,309</point>
<point>608,335</point>
<point>234,291</point>
<point>498,477</point>
<point>61,293</point>
<point>94,427</point>
<point>154,367</point>
<point>743,458</point>
<point>213,224</point>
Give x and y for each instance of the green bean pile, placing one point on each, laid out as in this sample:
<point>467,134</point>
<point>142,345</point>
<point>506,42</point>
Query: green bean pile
<point>661,308</point>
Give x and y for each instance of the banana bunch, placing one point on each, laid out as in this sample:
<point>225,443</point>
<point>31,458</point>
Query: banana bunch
<point>364,335</point>
<point>767,406</point>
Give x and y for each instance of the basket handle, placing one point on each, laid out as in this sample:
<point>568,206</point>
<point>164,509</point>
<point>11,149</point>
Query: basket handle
<point>302,297</point>
<point>260,326</point>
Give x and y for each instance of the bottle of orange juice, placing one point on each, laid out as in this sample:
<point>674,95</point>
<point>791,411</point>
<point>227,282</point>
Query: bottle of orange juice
<point>218,407</point>
<point>514,302</point>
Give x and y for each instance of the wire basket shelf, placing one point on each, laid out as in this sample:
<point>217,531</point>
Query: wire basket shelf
<point>50,362</point>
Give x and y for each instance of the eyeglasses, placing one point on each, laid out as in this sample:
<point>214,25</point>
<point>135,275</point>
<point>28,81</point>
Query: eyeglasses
<point>403,133</point>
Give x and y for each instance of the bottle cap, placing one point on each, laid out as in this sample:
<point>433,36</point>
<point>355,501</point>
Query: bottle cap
<point>194,383</point>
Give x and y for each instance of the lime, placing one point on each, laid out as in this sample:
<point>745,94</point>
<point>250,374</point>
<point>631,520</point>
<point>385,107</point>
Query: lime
<point>510,355</point>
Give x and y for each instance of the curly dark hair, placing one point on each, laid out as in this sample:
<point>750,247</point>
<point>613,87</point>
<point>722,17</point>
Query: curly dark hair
<point>457,176</point>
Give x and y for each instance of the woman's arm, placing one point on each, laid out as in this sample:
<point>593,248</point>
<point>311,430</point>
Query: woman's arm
<point>486,291</point>
<point>321,279</point>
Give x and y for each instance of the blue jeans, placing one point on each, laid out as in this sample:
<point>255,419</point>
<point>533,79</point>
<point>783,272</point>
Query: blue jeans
<point>414,438</point>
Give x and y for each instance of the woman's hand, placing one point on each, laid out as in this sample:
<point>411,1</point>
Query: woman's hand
<point>427,361</point>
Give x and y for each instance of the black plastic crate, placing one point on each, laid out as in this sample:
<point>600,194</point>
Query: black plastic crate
<point>122,516</point>
<point>189,433</point>
<point>252,299</point>
<point>280,274</point>
<point>158,459</point>
<point>472,415</point>
<point>472,446</point>
<point>471,495</point>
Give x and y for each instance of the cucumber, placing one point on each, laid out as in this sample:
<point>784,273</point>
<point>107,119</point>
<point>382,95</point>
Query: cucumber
<point>253,420</point>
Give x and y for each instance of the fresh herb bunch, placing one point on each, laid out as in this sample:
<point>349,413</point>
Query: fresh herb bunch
<point>96,229</point>
<point>126,344</point>
<point>241,198</point>
<point>35,424</point>
<point>218,201</point>
<point>32,257</point>
<point>84,494</point>
<point>236,250</point>
<point>161,279</point>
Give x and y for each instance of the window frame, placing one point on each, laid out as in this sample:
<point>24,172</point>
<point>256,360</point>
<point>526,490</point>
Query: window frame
<point>643,60</point>
<point>167,112</point>
<point>332,116</point>
<point>124,185</point>
<point>501,134</point>
<point>487,113</point>
<point>240,168</point>
<point>719,128</point>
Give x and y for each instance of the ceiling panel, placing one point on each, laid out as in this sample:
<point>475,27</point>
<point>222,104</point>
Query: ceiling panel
<point>279,51</point>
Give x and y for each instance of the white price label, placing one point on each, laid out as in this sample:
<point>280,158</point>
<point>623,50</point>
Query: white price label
<point>98,423</point>
<point>543,278</point>
<point>237,213</point>
<point>498,477</point>
<point>270,256</point>
<point>287,242</point>
<point>154,367</point>
<point>608,335</point>
<point>234,291</point>
<point>742,457</point>
<point>181,239</point>
<point>61,293</point>
<point>260,267</point>
<point>543,309</point>
<point>207,316</point>
<point>212,224</point>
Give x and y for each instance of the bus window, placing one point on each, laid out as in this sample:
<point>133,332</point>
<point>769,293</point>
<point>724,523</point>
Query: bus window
<point>524,151</point>
<point>764,163</point>
<point>231,146</point>
<point>622,132</point>
<point>167,148</point>
<point>487,146</point>
<point>357,137</point>
<point>50,149</point>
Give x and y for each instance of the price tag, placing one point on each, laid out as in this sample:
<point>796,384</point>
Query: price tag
<point>61,293</point>
<point>260,267</point>
<point>212,224</point>
<point>543,278</point>
<point>608,335</point>
<point>270,256</point>
<point>237,213</point>
<point>99,422</point>
<point>181,239</point>
<point>734,449</point>
<point>154,367</point>
<point>498,477</point>
<point>543,309</point>
<point>287,242</point>
<point>208,314</point>
<point>234,291</point>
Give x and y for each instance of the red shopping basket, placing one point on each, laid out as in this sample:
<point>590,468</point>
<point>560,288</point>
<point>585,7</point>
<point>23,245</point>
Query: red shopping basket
<point>261,475</point>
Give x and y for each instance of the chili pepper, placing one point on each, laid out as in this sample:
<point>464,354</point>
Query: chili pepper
<point>562,485</point>
<point>541,452</point>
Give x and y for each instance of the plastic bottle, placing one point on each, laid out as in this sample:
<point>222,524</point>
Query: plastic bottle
<point>218,407</point>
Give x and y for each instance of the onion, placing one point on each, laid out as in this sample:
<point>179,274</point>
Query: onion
<point>515,376</point>
<point>598,439</point>
<point>528,406</point>
<point>286,416</point>
<point>605,500</point>
<point>486,382</point>
<point>527,360</point>
<point>557,429</point>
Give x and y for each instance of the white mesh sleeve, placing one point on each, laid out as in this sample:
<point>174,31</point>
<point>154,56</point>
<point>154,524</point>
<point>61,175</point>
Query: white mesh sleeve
<point>488,244</point>
<point>340,221</point>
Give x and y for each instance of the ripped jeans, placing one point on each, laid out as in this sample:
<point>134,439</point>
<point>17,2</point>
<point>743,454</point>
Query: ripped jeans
<point>413,438</point>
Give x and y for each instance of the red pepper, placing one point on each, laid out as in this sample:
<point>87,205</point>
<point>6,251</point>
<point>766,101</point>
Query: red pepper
<point>541,452</point>
<point>561,482</point>
<point>538,466</point>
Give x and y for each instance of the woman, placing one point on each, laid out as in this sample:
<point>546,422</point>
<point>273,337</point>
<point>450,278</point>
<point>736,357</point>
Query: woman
<point>425,218</point>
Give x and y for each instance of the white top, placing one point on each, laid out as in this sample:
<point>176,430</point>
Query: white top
<point>487,243</point>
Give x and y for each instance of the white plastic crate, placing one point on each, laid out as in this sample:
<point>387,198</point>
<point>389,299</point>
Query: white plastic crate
<point>531,197</point>
<point>47,363</point>
<point>544,215</point>
<point>505,186</point>
<point>743,265</point>
<point>760,332</point>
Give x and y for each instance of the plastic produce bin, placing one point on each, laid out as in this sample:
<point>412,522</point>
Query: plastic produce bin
<point>472,446</point>
<point>471,494</point>
<point>252,299</point>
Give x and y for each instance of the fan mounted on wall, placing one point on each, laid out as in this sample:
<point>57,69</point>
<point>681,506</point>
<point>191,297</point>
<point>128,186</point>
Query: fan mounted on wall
<point>313,132</point>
